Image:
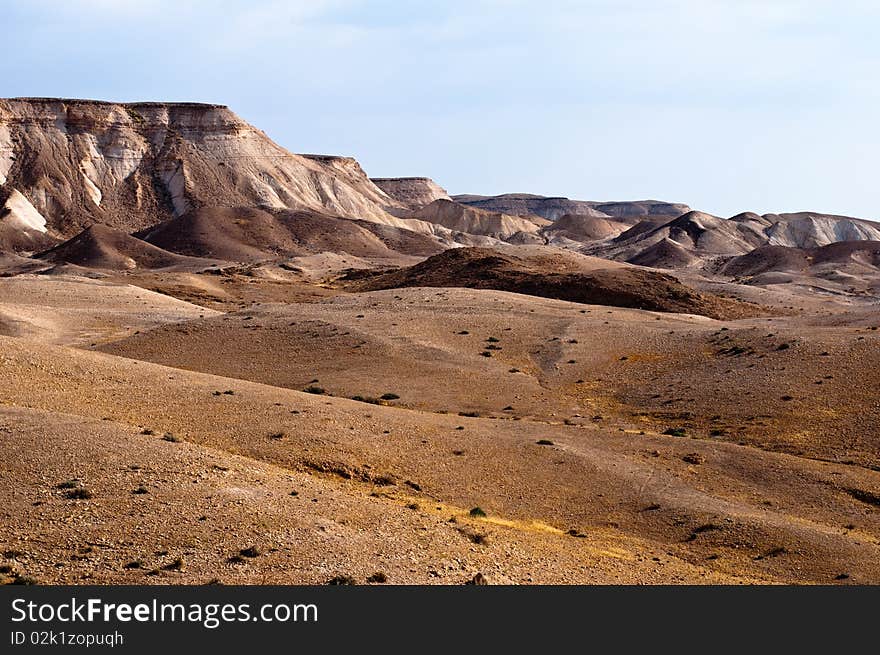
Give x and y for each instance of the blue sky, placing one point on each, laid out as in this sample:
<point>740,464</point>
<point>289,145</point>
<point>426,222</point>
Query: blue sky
<point>726,105</point>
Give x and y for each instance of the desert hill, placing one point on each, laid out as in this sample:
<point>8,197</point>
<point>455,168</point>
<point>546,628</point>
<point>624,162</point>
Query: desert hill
<point>413,192</point>
<point>462,218</point>
<point>851,267</point>
<point>22,228</point>
<point>524,204</point>
<point>130,166</point>
<point>811,230</point>
<point>555,274</point>
<point>102,247</point>
<point>246,234</point>
<point>664,254</point>
<point>747,240</point>
<point>589,226</point>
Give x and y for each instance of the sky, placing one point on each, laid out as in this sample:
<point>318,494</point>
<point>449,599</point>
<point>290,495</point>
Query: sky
<point>726,105</point>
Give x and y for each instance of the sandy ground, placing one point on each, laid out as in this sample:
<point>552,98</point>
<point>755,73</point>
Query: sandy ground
<point>605,496</point>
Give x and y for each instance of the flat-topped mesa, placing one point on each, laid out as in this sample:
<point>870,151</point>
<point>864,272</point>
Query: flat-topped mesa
<point>414,192</point>
<point>526,204</point>
<point>133,165</point>
<point>139,115</point>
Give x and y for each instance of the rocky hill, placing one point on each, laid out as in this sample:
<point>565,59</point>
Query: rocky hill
<point>698,238</point>
<point>101,247</point>
<point>550,273</point>
<point>66,164</point>
<point>524,204</point>
<point>414,192</point>
<point>462,218</point>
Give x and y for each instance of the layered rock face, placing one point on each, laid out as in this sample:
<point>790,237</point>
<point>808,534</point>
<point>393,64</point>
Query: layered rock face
<point>811,230</point>
<point>525,204</point>
<point>66,164</point>
<point>414,192</point>
<point>461,218</point>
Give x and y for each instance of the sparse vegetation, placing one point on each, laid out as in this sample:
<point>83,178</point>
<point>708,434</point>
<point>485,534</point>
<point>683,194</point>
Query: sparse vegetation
<point>544,442</point>
<point>24,580</point>
<point>367,399</point>
<point>389,396</point>
<point>378,578</point>
<point>477,511</point>
<point>173,438</point>
<point>319,391</point>
<point>700,529</point>
<point>341,580</point>
<point>176,564</point>
<point>675,432</point>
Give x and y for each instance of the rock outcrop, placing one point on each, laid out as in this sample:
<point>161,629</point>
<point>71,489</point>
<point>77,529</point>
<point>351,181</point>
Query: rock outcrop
<point>414,192</point>
<point>66,164</point>
<point>461,218</point>
<point>525,204</point>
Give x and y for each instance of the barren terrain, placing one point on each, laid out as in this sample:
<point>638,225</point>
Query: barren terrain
<point>221,362</point>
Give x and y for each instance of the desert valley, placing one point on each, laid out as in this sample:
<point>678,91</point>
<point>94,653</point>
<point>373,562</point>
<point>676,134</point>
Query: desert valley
<point>223,362</point>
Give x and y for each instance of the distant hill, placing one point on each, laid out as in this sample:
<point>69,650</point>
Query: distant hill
<point>555,274</point>
<point>462,218</point>
<point>99,246</point>
<point>247,234</point>
<point>524,204</point>
<point>413,192</point>
<point>697,238</point>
